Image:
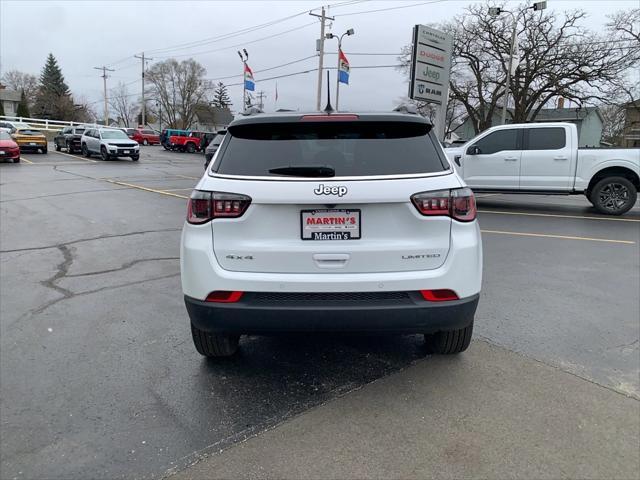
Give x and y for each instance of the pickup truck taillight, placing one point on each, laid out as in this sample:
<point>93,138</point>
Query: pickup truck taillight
<point>458,203</point>
<point>204,206</point>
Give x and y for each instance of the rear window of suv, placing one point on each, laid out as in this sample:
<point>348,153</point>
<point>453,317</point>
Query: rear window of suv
<point>349,148</point>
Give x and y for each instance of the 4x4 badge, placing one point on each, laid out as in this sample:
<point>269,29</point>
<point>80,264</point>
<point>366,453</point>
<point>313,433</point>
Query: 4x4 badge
<point>339,190</point>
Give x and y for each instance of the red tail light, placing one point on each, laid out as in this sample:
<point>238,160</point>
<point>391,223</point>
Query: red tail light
<point>459,204</point>
<point>221,296</point>
<point>204,206</point>
<point>442,295</point>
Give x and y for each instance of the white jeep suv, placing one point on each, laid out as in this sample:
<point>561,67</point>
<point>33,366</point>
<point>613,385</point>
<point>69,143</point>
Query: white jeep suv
<point>331,222</point>
<point>108,143</point>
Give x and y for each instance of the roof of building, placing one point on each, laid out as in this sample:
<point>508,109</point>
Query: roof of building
<point>9,95</point>
<point>565,114</point>
<point>213,115</point>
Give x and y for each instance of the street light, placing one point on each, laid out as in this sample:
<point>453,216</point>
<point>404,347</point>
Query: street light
<point>349,32</point>
<point>494,12</point>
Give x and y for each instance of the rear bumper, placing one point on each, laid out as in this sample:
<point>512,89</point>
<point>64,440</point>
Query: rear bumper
<point>255,314</point>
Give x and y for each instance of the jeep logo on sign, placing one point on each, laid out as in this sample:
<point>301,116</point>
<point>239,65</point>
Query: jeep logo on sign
<point>327,190</point>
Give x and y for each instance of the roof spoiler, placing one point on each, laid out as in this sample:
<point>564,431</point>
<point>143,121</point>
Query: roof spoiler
<point>406,108</point>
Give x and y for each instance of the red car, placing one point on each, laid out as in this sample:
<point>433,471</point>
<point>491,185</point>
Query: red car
<point>9,149</point>
<point>145,137</point>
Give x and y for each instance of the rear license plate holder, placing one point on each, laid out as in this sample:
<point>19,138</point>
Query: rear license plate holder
<point>330,224</point>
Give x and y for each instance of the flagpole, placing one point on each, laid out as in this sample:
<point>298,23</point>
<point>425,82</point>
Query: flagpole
<point>244,86</point>
<point>338,74</point>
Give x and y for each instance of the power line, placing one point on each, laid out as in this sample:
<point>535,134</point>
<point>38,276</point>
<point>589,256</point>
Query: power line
<point>239,44</point>
<point>265,69</point>
<point>388,8</point>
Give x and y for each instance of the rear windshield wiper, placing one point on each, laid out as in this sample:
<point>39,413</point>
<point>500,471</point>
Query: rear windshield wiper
<point>304,171</point>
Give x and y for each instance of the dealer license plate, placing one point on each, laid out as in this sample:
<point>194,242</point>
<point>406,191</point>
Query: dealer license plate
<point>126,151</point>
<point>32,144</point>
<point>330,224</point>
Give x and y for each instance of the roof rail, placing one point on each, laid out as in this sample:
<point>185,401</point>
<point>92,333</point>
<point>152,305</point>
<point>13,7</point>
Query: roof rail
<point>406,108</point>
<point>252,111</point>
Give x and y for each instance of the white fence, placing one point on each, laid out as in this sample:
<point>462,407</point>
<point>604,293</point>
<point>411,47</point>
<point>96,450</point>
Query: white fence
<point>45,124</point>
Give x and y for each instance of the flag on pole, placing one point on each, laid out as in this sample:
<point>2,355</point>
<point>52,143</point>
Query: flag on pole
<point>343,69</point>
<point>249,84</point>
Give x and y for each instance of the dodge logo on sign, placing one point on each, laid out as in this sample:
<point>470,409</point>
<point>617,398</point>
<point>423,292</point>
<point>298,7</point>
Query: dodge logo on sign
<point>339,190</point>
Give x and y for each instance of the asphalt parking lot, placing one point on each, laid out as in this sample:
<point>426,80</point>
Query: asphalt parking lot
<point>99,377</point>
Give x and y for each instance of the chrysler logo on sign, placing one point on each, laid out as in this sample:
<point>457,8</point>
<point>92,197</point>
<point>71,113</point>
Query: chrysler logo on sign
<point>339,190</point>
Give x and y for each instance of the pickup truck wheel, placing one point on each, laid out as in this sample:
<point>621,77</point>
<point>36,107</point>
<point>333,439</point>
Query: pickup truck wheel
<point>614,195</point>
<point>450,342</point>
<point>57,147</point>
<point>191,147</point>
<point>85,150</point>
<point>104,154</point>
<point>214,344</point>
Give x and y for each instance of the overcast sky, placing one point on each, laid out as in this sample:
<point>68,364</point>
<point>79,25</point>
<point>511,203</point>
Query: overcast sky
<point>86,34</point>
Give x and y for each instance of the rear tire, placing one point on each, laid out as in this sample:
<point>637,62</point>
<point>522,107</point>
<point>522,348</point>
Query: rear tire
<point>450,342</point>
<point>145,142</point>
<point>16,160</point>
<point>613,195</point>
<point>44,150</point>
<point>191,147</point>
<point>214,344</point>
<point>57,147</point>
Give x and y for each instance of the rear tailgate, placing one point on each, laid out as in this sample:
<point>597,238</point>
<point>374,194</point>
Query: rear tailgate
<point>359,221</point>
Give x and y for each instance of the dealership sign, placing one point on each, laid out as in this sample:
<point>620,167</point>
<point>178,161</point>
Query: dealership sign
<point>430,65</point>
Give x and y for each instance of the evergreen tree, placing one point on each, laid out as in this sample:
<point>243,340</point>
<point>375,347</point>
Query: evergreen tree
<point>221,96</point>
<point>54,98</point>
<point>1,107</point>
<point>23,106</point>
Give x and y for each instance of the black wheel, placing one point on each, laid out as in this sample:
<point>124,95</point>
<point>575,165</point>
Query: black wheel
<point>191,147</point>
<point>85,150</point>
<point>448,343</point>
<point>44,150</point>
<point>165,147</point>
<point>104,154</point>
<point>613,195</point>
<point>213,344</point>
<point>145,142</point>
<point>57,146</point>
<point>135,158</point>
<point>16,160</point>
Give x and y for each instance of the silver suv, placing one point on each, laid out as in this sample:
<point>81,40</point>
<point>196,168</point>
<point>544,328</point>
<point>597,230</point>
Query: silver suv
<point>108,143</point>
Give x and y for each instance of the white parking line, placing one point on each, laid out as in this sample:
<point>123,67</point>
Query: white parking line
<point>557,215</point>
<point>23,159</point>
<point>77,158</point>
<point>562,237</point>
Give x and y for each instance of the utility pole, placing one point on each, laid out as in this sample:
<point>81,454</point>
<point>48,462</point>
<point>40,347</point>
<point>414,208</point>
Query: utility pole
<point>143,111</point>
<point>322,18</point>
<point>106,104</point>
<point>261,95</point>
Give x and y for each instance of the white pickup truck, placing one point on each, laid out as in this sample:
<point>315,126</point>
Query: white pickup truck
<point>544,158</point>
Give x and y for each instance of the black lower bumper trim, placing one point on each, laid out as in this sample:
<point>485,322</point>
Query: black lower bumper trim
<point>255,315</point>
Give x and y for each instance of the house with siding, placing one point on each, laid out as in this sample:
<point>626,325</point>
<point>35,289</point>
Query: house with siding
<point>588,120</point>
<point>10,100</point>
<point>631,132</point>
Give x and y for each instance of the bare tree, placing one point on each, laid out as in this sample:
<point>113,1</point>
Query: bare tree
<point>613,117</point>
<point>19,81</point>
<point>179,87</point>
<point>122,103</point>
<point>85,111</point>
<point>558,58</point>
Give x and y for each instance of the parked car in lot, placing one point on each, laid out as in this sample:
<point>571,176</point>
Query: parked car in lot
<point>69,139</point>
<point>9,149</point>
<point>109,143</point>
<point>29,139</point>
<point>189,143</point>
<point>303,223</point>
<point>166,134</point>
<point>545,158</point>
<point>145,136</point>
<point>129,132</point>
<point>7,126</point>
<point>213,146</point>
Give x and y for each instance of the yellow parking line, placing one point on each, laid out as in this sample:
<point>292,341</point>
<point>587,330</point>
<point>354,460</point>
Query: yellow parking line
<point>177,189</point>
<point>614,219</point>
<point>77,158</point>
<point>146,189</point>
<point>563,237</point>
<point>184,176</point>
<point>22,159</point>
